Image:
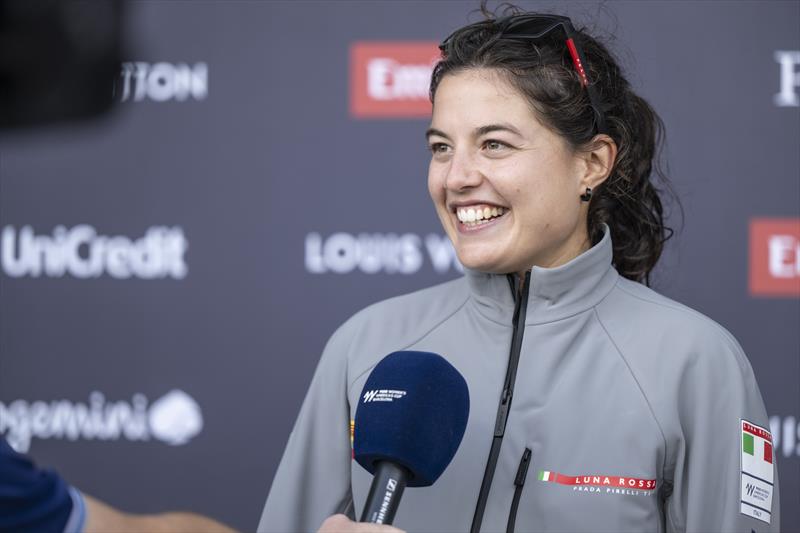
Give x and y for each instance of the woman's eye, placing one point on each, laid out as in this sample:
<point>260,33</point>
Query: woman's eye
<point>494,145</point>
<point>439,148</point>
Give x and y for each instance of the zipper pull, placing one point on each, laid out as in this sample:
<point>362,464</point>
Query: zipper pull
<point>502,413</point>
<point>522,471</point>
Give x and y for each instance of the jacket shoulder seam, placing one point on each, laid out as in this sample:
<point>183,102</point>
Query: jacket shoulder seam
<point>678,308</point>
<point>719,328</point>
<point>412,343</point>
<point>639,386</point>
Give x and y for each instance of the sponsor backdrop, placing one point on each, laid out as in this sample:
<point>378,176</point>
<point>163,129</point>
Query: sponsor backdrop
<point>170,274</point>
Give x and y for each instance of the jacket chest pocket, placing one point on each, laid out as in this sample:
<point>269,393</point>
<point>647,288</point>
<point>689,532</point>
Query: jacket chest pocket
<point>519,484</point>
<point>551,501</point>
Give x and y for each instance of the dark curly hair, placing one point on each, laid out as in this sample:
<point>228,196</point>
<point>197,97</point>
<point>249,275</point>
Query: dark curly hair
<point>542,70</point>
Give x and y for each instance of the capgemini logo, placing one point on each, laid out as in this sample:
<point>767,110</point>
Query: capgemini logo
<point>174,419</point>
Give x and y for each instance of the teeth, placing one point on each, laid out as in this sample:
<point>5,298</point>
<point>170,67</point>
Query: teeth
<point>473,216</point>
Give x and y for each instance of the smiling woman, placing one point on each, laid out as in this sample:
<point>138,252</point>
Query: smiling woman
<point>625,402</point>
<point>536,74</point>
<point>501,157</point>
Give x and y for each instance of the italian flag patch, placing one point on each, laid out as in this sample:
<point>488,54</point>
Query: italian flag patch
<point>757,471</point>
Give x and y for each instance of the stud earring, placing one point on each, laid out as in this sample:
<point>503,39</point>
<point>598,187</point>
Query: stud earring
<point>585,197</point>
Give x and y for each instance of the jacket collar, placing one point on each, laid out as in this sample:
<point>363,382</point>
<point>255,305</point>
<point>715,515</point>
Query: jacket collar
<point>555,293</point>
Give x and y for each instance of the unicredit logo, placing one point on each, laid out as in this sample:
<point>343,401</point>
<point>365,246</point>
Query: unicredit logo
<point>83,253</point>
<point>775,257</point>
<point>159,82</point>
<point>391,79</point>
<point>174,419</point>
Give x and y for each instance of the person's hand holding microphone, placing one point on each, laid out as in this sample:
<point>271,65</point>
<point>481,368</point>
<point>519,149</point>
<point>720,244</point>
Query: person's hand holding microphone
<point>339,523</point>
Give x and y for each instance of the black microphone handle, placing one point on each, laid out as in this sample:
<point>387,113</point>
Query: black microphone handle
<point>384,493</point>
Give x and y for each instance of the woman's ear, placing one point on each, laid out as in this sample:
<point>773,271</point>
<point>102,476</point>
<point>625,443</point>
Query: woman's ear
<point>599,157</point>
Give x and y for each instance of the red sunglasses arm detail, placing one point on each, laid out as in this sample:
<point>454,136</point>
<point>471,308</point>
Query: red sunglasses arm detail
<point>577,61</point>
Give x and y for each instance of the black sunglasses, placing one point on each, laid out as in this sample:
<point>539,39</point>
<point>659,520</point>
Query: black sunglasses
<point>532,27</point>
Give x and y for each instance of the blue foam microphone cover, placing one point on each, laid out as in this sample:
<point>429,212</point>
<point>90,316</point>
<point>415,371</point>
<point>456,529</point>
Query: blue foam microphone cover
<point>412,412</point>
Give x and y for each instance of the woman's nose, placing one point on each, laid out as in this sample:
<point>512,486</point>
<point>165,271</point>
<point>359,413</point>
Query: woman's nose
<point>463,173</point>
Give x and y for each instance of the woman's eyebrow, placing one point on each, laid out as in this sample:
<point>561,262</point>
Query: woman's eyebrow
<point>489,128</point>
<point>483,130</point>
<point>439,133</point>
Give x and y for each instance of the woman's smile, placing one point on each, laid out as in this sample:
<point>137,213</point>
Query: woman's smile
<point>478,217</point>
<point>506,188</point>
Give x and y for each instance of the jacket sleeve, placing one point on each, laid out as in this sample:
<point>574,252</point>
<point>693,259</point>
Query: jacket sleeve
<point>725,476</point>
<point>313,479</point>
<point>34,499</point>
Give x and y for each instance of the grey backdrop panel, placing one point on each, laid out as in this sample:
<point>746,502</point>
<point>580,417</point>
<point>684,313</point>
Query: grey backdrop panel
<point>270,154</point>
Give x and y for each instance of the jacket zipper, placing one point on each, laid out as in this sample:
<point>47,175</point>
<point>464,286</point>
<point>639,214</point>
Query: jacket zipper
<point>519,482</point>
<point>520,310</point>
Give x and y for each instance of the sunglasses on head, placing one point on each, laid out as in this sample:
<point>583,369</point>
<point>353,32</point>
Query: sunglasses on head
<point>533,27</point>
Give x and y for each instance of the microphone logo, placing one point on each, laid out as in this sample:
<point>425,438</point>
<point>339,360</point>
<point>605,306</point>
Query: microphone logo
<point>383,395</point>
<point>391,486</point>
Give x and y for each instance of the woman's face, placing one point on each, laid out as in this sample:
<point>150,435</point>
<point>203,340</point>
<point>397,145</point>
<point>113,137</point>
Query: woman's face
<point>506,188</point>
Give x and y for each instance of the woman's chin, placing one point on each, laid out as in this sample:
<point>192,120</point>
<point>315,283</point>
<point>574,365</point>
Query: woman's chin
<point>482,263</point>
<point>497,255</point>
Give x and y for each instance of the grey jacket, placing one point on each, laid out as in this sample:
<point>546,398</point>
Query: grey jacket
<point>639,413</point>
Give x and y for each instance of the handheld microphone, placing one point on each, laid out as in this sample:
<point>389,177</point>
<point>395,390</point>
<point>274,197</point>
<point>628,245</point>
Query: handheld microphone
<point>409,423</point>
